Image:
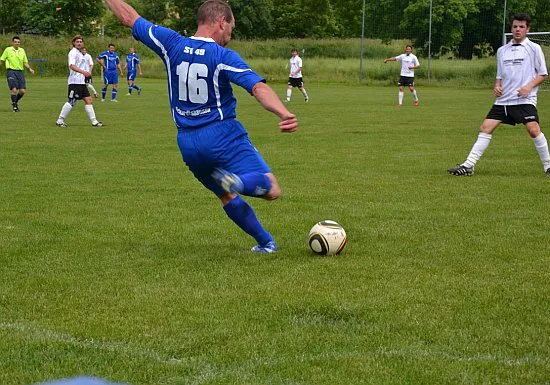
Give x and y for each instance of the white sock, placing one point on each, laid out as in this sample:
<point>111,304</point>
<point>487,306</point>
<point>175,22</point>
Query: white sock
<point>91,113</point>
<point>65,111</point>
<point>91,87</point>
<point>304,92</point>
<point>542,148</point>
<point>400,97</point>
<point>478,149</point>
<point>414,95</point>
<point>288,93</point>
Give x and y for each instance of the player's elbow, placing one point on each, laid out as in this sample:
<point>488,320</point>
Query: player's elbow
<point>258,88</point>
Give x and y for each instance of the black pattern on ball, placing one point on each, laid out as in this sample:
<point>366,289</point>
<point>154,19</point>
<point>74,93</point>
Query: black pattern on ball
<point>321,241</point>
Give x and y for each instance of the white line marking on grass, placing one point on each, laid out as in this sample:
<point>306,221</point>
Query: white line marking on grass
<point>211,372</point>
<point>111,346</point>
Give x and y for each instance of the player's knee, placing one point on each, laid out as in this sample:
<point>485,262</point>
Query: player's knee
<point>534,129</point>
<point>226,198</point>
<point>487,127</point>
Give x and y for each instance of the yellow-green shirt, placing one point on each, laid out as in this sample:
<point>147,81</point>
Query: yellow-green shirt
<point>14,58</point>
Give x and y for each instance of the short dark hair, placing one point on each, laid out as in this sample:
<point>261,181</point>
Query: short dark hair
<point>522,17</point>
<point>211,10</point>
<point>408,45</point>
<point>293,50</point>
<point>15,38</point>
<point>111,45</point>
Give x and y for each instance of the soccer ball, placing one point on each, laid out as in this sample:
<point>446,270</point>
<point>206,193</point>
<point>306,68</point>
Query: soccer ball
<point>327,237</point>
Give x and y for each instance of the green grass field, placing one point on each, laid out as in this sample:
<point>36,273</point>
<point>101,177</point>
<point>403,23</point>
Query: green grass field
<point>115,262</point>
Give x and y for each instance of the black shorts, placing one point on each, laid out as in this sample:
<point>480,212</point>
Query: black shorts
<point>521,113</point>
<point>78,92</point>
<point>88,79</point>
<point>295,82</point>
<point>16,79</point>
<point>406,81</point>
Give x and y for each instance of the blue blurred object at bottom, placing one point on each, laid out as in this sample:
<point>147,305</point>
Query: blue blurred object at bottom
<point>80,381</point>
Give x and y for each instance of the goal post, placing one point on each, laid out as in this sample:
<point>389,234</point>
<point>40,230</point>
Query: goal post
<point>541,38</point>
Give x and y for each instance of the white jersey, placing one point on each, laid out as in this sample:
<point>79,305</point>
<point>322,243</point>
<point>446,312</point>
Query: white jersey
<point>295,65</point>
<point>517,65</point>
<point>87,63</point>
<point>407,60</point>
<point>76,58</point>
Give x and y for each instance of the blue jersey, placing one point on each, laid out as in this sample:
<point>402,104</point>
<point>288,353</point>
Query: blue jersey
<point>200,73</point>
<point>110,60</point>
<point>132,60</point>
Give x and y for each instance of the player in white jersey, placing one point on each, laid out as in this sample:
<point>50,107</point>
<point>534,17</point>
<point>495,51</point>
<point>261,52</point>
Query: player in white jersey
<point>295,77</point>
<point>409,62</point>
<point>521,68</point>
<point>88,66</point>
<point>77,86</point>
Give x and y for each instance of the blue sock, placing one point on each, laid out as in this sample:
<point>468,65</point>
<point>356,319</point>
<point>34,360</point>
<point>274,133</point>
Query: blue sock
<point>255,184</point>
<point>103,92</point>
<point>113,94</point>
<point>243,215</point>
<point>136,87</point>
<point>130,88</point>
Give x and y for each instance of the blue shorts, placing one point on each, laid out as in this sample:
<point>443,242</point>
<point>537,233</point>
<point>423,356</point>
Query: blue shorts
<point>222,144</point>
<point>131,75</point>
<point>110,77</point>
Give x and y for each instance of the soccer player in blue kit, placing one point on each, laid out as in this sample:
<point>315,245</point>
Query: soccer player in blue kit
<point>213,144</point>
<point>132,65</point>
<point>110,62</point>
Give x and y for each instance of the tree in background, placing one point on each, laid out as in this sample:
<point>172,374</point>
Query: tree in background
<point>448,21</point>
<point>155,11</point>
<point>349,17</point>
<point>253,18</point>
<point>466,28</point>
<point>11,16</point>
<point>112,27</point>
<point>460,28</point>
<point>186,22</point>
<point>52,18</point>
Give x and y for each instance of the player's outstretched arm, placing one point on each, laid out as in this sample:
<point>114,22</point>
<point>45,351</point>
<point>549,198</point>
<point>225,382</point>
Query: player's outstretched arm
<point>123,12</point>
<point>271,102</point>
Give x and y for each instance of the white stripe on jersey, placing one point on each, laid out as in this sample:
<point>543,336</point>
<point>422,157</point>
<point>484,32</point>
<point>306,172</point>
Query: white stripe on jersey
<point>219,68</point>
<point>167,61</point>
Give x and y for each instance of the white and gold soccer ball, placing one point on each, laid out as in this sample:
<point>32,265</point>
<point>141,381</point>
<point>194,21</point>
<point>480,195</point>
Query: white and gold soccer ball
<point>327,238</point>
